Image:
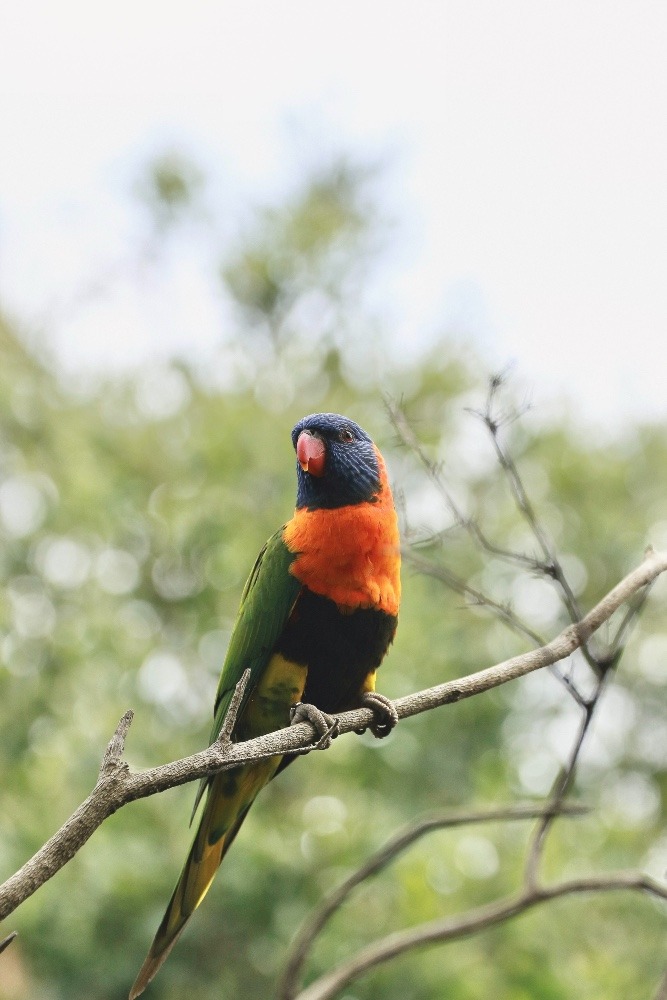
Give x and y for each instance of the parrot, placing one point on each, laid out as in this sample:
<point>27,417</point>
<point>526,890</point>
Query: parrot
<point>317,615</point>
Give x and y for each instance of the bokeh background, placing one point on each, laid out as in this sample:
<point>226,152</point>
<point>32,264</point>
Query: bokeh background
<point>214,219</point>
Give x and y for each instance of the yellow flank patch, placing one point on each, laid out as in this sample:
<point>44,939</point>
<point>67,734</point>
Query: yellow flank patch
<point>369,683</point>
<point>233,792</point>
<point>280,687</point>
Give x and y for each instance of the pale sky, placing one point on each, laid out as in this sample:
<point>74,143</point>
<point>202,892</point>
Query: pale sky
<point>528,161</point>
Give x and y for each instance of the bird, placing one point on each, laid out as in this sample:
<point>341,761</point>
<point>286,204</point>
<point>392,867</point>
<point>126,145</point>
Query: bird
<point>317,615</point>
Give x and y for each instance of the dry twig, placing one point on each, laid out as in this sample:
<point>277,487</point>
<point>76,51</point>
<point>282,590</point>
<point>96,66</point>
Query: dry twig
<point>315,922</point>
<point>454,928</point>
<point>7,941</point>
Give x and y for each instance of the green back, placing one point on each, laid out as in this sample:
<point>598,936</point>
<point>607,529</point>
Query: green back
<point>267,600</point>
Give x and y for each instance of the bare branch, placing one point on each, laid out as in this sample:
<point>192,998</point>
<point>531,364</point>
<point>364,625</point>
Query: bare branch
<point>563,645</point>
<point>493,422</point>
<point>453,928</point>
<point>662,988</point>
<point>116,748</point>
<point>225,734</point>
<point>559,790</point>
<point>549,566</point>
<point>409,439</point>
<point>117,785</point>
<point>314,923</point>
<point>564,779</point>
<point>477,597</point>
<point>629,621</point>
<point>7,941</point>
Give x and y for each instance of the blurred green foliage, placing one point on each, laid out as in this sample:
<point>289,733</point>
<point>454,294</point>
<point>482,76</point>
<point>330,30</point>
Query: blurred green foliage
<point>169,187</point>
<point>129,518</point>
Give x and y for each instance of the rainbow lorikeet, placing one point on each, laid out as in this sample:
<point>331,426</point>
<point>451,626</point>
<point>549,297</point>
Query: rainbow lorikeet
<point>317,615</point>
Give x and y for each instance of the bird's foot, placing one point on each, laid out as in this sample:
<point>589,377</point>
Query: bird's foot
<point>326,726</point>
<point>383,709</point>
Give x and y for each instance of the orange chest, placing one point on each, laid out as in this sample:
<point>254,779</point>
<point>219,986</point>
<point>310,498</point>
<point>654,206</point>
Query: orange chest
<point>350,555</point>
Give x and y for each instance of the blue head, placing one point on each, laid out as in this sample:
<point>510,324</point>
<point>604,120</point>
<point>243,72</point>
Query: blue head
<point>336,462</point>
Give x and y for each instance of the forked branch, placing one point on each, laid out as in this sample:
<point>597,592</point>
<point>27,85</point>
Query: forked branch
<point>117,784</point>
<point>452,928</point>
<point>315,922</point>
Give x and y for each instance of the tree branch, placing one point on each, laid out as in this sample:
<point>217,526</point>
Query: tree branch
<point>468,524</point>
<point>453,928</point>
<point>563,645</point>
<point>561,786</point>
<point>7,941</point>
<point>476,597</point>
<point>314,923</point>
<point>117,785</point>
<point>549,566</point>
<point>662,988</point>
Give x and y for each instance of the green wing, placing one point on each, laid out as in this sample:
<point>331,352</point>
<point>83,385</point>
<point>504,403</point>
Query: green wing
<point>267,600</point>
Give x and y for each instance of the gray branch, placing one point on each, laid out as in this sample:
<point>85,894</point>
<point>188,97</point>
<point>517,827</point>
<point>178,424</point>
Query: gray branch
<point>454,928</point>
<point>117,784</point>
<point>305,937</point>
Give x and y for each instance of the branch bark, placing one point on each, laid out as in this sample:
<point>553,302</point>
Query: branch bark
<point>453,928</point>
<point>305,937</point>
<point>662,988</point>
<point>117,784</point>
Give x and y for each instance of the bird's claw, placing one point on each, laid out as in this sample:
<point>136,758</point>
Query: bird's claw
<point>326,726</point>
<point>383,709</point>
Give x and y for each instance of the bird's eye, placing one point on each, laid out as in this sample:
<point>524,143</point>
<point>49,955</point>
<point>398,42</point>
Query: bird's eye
<point>346,435</point>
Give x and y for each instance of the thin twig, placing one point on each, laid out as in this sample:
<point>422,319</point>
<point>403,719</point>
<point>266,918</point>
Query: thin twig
<point>551,565</point>
<point>116,747</point>
<point>453,928</point>
<point>409,439</point>
<point>7,941</point>
<point>564,779</point>
<point>662,988</point>
<point>559,790</point>
<point>629,621</point>
<point>479,599</point>
<point>225,734</point>
<point>312,926</point>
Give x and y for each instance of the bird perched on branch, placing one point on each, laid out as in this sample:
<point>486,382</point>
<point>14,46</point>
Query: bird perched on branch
<point>317,615</point>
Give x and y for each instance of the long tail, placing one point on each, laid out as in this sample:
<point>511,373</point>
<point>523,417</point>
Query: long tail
<point>229,798</point>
